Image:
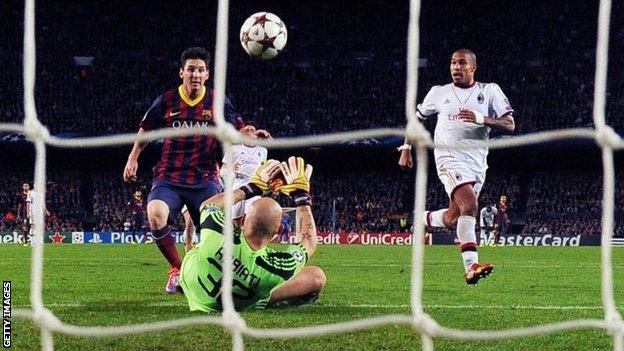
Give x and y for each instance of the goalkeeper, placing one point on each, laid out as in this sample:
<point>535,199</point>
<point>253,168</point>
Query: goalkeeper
<point>263,277</point>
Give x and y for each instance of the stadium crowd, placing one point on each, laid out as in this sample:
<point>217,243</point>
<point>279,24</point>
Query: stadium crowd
<point>327,80</point>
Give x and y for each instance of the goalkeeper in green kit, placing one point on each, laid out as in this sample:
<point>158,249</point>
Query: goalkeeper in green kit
<point>263,277</point>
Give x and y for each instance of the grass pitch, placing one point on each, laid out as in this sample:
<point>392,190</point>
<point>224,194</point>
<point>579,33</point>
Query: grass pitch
<point>107,285</point>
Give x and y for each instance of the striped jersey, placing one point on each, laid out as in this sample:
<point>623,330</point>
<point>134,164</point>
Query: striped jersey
<point>256,273</point>
<point>187,160</point>
<point>135,207</point>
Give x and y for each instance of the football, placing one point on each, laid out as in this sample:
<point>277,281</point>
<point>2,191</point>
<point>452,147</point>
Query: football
<point>263,35</point>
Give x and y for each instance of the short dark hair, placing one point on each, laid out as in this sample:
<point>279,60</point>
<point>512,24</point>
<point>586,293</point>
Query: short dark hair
<point>468,52</point>
<point>196,52</point>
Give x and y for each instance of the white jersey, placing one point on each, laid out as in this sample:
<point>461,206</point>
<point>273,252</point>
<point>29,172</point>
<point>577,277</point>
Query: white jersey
<point>244,160</point>
<point>34,204</point>
<point>487,218</point>
<point>445,101</point>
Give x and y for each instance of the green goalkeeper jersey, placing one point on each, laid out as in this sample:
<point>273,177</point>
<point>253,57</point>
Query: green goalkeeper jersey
<point>256,273</point>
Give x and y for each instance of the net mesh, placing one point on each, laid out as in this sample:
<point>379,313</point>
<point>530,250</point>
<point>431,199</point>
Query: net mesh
<point>418,319</point>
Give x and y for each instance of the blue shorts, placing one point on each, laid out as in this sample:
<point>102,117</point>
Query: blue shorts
<point>175,196</point>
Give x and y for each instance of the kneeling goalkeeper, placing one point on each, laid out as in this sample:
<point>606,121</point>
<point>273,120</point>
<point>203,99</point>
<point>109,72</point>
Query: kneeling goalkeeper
<point>263,277</point>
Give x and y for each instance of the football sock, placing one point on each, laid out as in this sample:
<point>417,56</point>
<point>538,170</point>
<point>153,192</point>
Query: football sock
<point>435,218</point>
<point>165,242</point>
<point>467,240</point>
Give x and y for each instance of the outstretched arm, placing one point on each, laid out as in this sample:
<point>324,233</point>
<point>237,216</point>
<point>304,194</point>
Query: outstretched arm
<point>297,185</point>
<point>257,186</point>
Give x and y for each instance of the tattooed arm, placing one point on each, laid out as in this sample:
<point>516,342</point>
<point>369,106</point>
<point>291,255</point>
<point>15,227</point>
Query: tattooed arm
<point>306,229</point>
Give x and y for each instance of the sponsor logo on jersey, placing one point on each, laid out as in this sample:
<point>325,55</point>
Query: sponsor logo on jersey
<point>190,124</point>
<point>447,101</point>
<point>480,98</point>
<point>458,176</point>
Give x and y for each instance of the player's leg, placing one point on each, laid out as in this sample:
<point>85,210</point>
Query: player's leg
<point>133,228</point>
<point>305,287</point>
<point>445,217</point>
<point>163,199</point>
<point>465,196</point>
<point>193,198</point>
<point>496,236</point>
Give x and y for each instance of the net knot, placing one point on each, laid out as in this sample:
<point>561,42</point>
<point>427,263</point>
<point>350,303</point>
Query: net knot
<point>607,137</point>
<point>417,133</point>
<point>615,322</point>
<point>34,130</point>
<point>233,321</point>
<point>426,324</point>
<point>45,318</point>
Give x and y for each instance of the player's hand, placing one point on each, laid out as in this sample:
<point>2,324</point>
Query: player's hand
<point>263,134</point>
<point>296,175</point>
<point>129,174</point>
<point>296,181</point>
<point>265,174</point>
<point>472,116</point>
<point>405,160</point>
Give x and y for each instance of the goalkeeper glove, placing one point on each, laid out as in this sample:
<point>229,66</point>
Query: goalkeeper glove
<point>259,181</point>
<point>296,180</point>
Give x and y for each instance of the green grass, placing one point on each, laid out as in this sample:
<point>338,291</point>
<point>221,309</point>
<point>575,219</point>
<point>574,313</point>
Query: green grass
<point>108,285</point>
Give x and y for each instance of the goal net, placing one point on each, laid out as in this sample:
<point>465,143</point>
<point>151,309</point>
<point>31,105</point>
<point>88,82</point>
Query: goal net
<point>422,323</point>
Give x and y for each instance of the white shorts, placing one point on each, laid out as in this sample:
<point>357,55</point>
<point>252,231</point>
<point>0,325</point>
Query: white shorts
<point>239,209</point>
<point>454,174</point>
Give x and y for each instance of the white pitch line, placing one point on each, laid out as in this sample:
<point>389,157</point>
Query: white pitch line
<point>362,305</point>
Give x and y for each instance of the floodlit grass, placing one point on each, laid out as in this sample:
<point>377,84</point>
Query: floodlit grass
<point>108,285</point>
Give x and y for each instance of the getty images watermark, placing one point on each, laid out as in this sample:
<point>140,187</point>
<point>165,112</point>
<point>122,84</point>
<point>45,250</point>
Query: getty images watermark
<point>6,314</point>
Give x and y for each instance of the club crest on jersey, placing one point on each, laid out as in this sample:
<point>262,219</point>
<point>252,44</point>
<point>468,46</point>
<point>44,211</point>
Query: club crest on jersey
<point>458,176</point>
<point>480,98</point>
<point>207,114</point>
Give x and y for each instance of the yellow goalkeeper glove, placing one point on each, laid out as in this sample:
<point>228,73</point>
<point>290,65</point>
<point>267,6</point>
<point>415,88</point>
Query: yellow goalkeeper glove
<point>259,181</point>
<point>296,180</point>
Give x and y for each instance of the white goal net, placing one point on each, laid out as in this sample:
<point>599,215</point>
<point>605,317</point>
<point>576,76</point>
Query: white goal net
<point>418,319</point>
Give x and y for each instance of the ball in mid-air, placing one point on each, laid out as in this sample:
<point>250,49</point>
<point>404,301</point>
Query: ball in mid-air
<point>263,35</point>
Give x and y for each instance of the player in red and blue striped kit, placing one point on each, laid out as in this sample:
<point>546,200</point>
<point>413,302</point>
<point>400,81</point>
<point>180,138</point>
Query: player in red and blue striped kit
<point>187,173</point>
<point>136,210</point>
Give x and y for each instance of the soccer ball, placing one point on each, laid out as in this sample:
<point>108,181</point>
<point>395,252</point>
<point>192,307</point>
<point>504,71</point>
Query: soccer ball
<point>263,35</point>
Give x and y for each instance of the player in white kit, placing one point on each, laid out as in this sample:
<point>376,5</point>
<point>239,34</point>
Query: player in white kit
<point>467,110</point>
<point>243,161</point>
<point>32,206</point>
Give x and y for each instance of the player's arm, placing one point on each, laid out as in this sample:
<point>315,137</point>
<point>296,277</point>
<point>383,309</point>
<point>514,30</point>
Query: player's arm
<point>297,176</point>
<point>151,120</point>
<point>423,111</point>
<point>258,185</point>
<point>481,215</point>
<point>500,108</point>
<point>132,164</point>
<point>504,124</point>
